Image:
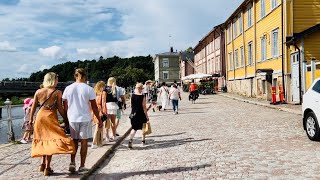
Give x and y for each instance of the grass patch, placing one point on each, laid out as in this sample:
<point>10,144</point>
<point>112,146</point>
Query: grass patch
<point>15,100</point>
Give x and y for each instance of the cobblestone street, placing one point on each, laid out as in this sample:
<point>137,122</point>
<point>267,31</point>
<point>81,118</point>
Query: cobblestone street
<point>218,138</point>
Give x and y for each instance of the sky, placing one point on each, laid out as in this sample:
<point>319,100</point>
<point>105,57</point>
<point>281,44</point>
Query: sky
<point>37,34</point>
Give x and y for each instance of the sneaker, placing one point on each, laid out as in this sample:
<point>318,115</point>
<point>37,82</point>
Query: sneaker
<point>23,141</point>
<point>176,112</point>
<point>72,167</point>
<point>93,146</point>
<point>143,142</point>
<point>117,134</point>
<point>83,170</point>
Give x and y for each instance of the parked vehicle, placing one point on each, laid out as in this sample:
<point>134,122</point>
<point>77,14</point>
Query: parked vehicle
<point>311,111</point>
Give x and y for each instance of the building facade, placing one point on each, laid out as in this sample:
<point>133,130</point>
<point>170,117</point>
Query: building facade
<point>186,60</point>
<point>166,67</point>
<point>263,50</point>
<point>209,55</point>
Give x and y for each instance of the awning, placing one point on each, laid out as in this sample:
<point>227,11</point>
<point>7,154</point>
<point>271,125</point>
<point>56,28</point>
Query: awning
<point>268,71</point>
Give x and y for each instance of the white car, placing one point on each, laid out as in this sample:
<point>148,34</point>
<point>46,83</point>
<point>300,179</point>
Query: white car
<point>311,111</point>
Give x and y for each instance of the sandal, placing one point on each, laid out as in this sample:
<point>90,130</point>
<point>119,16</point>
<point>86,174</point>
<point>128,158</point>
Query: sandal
<point>47,171</point>
<point>42,167</point>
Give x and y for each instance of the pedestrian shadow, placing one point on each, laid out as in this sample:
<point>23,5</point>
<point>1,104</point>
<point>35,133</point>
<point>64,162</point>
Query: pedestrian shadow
<point>153,144</point>
<point>123,175</point>
<point>165,135</point>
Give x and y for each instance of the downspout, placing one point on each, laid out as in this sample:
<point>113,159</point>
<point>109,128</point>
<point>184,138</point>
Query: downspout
<point>283,65</point>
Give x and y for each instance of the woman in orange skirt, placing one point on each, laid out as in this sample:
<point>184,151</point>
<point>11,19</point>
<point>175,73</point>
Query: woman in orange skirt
<point>48,137</point>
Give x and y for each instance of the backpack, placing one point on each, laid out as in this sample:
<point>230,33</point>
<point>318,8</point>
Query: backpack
<point>110,96</point>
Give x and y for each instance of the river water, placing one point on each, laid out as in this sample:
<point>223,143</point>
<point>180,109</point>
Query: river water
<point>18,117</point>
<point>18,114</point>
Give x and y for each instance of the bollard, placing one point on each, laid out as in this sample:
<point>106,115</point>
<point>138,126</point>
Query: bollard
<point>281,97</point>
<point>273,90</point>
<point>11,137</point>
<point>0,112</point>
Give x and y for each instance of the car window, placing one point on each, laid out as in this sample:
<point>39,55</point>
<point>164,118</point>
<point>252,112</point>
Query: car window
<point>316,87</point>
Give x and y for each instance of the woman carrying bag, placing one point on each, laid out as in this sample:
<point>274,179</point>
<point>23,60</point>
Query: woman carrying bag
<point>139,114</point>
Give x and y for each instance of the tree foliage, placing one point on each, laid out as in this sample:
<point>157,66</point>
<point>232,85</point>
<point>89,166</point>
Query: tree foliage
<point>127,71</point>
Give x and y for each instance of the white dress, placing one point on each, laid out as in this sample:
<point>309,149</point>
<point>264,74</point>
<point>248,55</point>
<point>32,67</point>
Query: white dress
<point>164,97</point>
<point>112,108</point>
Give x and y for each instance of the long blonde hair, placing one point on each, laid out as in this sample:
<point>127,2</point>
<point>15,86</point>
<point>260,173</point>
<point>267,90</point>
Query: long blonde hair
<point>98,87</point>
<point>112,82</point>
<point>49,79</point>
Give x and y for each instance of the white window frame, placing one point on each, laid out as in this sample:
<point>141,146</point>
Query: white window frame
<point>250,58</point>
<point>273,4</point>
<point>242,56</point>
<point>235,29</point>
<point>236,58</point>
<point>165,72</point>
<point>230,61</point>
<point>275,43</point>
<point>240,24</point>
<point>262,8</point>
<point>263,48</point>
<point>165,62</point>
<point>249,13</point>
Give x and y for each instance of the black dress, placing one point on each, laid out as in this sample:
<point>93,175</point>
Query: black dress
<point>140,118</point>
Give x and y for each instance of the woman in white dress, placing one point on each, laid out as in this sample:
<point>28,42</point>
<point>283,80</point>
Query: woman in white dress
<point>164,92</point>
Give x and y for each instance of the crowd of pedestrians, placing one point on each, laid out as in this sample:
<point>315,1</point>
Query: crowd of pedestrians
<point>81,106</point>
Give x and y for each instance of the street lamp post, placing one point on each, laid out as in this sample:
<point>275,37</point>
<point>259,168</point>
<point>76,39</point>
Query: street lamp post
<point>11,137</point>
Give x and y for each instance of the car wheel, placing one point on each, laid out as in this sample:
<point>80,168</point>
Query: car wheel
<point>312,126</point>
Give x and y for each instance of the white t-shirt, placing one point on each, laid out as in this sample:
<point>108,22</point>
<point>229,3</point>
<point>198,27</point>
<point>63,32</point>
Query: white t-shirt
<point>78,96</point>
<point>174,93</point>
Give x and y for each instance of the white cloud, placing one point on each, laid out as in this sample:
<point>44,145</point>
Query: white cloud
<point>52,51</point>
<point>6,46</point>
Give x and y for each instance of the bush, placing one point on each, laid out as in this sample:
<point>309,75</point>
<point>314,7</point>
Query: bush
<point>15,100</point>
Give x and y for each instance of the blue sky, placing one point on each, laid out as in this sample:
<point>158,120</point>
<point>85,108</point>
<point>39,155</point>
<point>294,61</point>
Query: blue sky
<point>37,34</point>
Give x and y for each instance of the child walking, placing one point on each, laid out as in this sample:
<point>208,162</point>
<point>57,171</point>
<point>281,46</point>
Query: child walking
<point>27,125</point>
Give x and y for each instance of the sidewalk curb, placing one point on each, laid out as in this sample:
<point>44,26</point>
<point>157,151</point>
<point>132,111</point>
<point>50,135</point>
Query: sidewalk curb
<point>105,156</point>
<point>262,104</point>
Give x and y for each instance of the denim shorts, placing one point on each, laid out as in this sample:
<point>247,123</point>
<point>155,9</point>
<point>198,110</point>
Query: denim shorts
<point>81,130</point>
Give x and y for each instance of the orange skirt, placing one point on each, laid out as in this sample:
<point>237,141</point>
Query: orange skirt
<point>48,137</point>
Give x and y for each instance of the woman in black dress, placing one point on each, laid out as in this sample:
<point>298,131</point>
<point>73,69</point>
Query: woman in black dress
<point>139,109</point>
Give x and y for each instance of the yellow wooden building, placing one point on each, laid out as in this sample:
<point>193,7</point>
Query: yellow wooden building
<point>265,41</point>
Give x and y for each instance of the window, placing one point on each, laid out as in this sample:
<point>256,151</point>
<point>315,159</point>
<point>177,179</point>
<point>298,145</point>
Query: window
<point>262,8</point>
<point>273,4</point>
<point>275,43</point>
<point>236,58</point>
<point>263,48</point>
<point>316,87</point>
<point>242,56</point>
<point>249,16</point>
<point>250,53</point>
<point>240,23</point>
<point>165,62</point>
<point>235,29</point>
<point>230,61</point>
<point>165,75</point>
<point>229,33</point>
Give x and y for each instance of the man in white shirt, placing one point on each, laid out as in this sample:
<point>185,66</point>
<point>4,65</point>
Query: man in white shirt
<point>77,99</point>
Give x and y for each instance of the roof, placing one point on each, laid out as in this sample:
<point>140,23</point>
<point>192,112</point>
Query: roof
<point>187,55</point>
<point>168,54</point>
<point>237,11</point>
<point>212,30</point>
<point>313,29</point>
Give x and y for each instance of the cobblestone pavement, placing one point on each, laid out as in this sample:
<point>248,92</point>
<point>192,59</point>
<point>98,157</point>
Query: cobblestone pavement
<point>16,163</point>
<point>218,138</point>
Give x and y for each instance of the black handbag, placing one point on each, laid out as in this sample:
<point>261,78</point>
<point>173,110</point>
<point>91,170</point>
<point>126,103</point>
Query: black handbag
<point>103,117</point>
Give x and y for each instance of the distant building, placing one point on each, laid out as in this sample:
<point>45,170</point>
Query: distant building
<point>210,56</point>
<point>186,60</point>
<point>166,67</point>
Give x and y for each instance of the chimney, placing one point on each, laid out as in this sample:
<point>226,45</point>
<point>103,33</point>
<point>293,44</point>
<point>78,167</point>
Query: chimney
<point>171,49</point>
